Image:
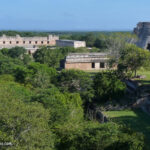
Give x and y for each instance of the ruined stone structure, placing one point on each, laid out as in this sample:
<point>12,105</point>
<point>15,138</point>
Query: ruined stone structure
<point>87,61</point>
<point>30,43</point>
<point>70,43</point>
<point>143,32</point>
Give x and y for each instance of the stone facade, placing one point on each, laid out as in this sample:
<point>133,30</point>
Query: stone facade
<point>87,61</point>
<point>30,43</point>
<point>143,32</point>
<point>70,43</point>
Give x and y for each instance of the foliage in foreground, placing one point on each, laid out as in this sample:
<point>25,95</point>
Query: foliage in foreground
<point>92,136</point>
<point>76,81</point>
<point>107,86</point>
<point>25,125</point>
<point>64,108</point>
<point>41,108</point>
<point>57,125</point>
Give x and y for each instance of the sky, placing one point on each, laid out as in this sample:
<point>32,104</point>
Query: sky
<point>73,15</point>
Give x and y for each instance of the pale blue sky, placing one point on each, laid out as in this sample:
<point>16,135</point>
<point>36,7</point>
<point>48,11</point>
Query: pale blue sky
<point>73,14</point>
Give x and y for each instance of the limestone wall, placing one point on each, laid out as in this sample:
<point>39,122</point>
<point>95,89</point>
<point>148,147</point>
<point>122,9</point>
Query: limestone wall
<point>84,66</point>
<point>70,43</point>
<point>27,42</point>
<point>78,44</point>
<point>65,43</point>
<point>81,66</point>
<point>87,61</point>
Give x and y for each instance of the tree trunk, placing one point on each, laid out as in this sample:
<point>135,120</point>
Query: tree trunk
<point>135,73</point>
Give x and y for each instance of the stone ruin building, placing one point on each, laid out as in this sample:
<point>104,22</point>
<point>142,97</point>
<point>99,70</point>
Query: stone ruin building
<point>70,43</point>
<point>29,43</point>
<point>87,61</point>
<point>143,32</point>
<point>33,43</point>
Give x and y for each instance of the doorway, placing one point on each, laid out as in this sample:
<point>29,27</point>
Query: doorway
<point>148,46</point>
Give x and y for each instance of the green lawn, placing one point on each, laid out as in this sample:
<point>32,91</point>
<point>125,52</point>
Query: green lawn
<point>146,73</point>
<point>136,120</point>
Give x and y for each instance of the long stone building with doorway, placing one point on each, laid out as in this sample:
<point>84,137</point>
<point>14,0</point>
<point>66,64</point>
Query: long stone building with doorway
<point>29,43</point>
<point>87,61</point>
<point>143,32</point>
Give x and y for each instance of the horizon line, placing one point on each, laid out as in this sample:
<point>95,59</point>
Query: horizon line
<point>73,30</point>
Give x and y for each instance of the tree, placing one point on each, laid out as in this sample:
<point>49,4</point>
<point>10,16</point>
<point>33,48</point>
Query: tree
<point>94,136</point>
<point>64,108</point>
<point>8,64</point>
<point>107,86</point>
<point>4,51</point>
<point>21,73</point>
<point>27,59</point>
<point>90,39</point>
<point>132,58</point>
<point>41,75</point>
<point>36,74</point>
<point>48,56</point>
<point>76,81</point>
<point>100,43</point>
<point>23,33</point>
<point>17,52</point>
<point>116,41</point>
<point>24,125</point>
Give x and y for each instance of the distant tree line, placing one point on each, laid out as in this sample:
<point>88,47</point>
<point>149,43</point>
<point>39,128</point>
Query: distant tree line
<point>24,33</point>
<point>102,40</point>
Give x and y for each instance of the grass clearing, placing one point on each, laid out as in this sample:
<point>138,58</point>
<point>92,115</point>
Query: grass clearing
<point>134,119</point>
<point>146,73</point>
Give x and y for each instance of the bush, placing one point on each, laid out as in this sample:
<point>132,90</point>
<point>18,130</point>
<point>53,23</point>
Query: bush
<point>36,74</point>
<point>8,65</point>
<point>76,81</point>
<point>93,136</point>
<point>25,125</point>
<point>107,86</point>
<point>64,108</point>
<point>48,56</point>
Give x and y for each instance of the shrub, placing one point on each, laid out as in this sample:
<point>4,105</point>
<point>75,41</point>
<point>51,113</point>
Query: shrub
<point>107,86</point>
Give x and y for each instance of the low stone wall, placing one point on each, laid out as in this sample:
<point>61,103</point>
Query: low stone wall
<point>83,66</point>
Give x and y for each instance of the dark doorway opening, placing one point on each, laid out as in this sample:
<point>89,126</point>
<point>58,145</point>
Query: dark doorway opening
<point>29,52</point>
<point>102,65</point>
<point>93,65</point>
<point>148,46</point>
